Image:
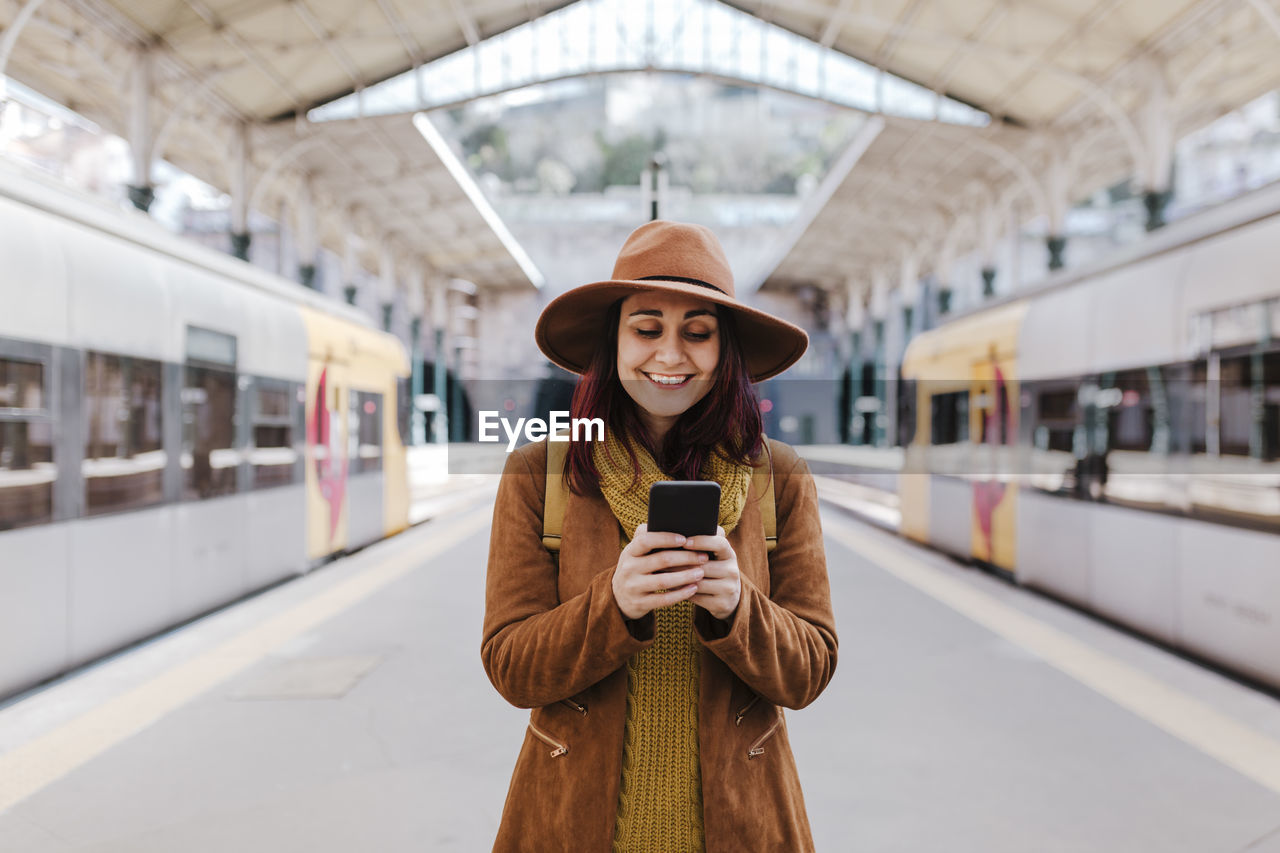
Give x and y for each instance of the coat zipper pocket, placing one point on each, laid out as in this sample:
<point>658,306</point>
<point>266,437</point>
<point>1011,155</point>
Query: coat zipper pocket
<point>737,721</point>
<point>757,748</point>
<point>581,709</point>
<point>559,748</point>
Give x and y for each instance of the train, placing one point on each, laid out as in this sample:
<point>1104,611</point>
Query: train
<point>177,429</point>
<point>1112,437</point>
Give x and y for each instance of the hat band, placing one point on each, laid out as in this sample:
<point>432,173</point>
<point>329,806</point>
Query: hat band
<point>682,279</point>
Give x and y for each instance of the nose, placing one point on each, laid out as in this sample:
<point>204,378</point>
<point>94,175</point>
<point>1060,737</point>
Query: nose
<point>670,351</point>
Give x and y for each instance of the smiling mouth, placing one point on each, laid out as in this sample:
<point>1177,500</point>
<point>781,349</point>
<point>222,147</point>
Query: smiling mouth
<point>669,380</point>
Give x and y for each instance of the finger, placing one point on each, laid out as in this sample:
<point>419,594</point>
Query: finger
<point>670,580</point>
<point>710,599</point>
<point>670,596</point>
<point>660,562</point>
<point>715,586</point>
<point>718,545</point>
<point>710,602</point>
<point>633,547</point>
<point>646,541</point>
<point>720,569</point>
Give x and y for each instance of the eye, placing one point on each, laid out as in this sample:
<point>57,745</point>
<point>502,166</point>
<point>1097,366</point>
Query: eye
<point>648,333</point>
<point>697,336</point>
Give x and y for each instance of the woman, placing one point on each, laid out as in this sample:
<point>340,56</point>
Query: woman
<point>657,678</point>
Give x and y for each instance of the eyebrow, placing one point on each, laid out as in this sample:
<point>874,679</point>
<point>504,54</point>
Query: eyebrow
<point>654,312</point>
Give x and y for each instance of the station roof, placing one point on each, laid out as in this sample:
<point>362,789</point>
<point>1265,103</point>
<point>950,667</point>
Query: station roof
<point>1021,61</point>
<point>1042,69</point>
<point>385,166</point>
<point>269,59</point>
<point>265,63</point>
<point>900,192</point>
<point>1048,72</point>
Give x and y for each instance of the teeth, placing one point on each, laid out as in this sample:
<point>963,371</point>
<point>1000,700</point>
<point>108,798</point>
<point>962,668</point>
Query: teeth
<point>666,380</point>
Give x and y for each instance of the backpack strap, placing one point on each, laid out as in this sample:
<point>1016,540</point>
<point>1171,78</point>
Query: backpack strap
<point>763,476</point>
<point>557,493</point>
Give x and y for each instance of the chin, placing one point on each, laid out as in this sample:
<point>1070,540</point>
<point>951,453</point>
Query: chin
<point>668,411</point>
<point>668,407</point>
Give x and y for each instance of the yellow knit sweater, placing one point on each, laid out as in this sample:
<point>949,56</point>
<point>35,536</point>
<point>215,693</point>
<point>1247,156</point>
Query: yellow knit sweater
<point>660,795</point>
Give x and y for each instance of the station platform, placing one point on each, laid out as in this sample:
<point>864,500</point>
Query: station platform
<point>348,710</point>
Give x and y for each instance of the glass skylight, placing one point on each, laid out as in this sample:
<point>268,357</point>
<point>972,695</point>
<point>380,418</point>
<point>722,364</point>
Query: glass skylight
<point>685,36</point>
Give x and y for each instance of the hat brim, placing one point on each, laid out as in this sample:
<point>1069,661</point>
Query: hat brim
<point>569,328</point>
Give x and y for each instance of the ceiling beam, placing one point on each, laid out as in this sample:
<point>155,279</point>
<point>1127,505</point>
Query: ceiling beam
<point>106,20</point>
<point>410,44</point>
<point>1086,24</point>
<point>26,11</point>
<point>465,22</point>
<point>944,74</point>
<point>228,15</point>
<point>889,43</point>
<point>835,24</point>
<point>1269,16</point>
<point>329,43</point>
<point>246,50</point>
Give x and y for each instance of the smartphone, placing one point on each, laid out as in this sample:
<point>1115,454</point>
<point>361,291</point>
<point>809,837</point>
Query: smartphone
<point>687,507</point>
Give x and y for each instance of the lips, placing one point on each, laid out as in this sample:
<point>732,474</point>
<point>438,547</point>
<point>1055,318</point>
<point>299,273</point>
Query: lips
<point>669,380</point>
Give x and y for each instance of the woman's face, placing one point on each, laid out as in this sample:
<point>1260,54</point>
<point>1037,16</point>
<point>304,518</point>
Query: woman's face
<point>668,350</point>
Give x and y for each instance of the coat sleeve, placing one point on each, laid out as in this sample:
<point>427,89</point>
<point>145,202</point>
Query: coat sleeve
<point>783,645</point>
<point>536,649</point>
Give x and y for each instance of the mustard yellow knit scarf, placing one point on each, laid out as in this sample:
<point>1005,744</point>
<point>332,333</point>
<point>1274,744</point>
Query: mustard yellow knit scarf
<point>630,504</point>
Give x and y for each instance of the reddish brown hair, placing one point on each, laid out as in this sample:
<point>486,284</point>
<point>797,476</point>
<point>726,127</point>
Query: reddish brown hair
<point>728,415</point>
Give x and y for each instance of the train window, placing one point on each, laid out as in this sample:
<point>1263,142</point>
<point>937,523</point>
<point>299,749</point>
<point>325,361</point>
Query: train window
<point>124,457</point>
<point>1193,419</point>
<point>27,471</point>
<point>949,418</point>
<point>1249,406</point>
<point>1137,415</point>
<point>21,385</point>
<point>404,409</point>
<point>1056,420</point>
<point>273,454</point>
<point>1235,421</point>
<point>1271,406</point>
<point>209,456</point>
<point>1054,430</point>
<point>906,411</point>
<point>367,417</point>
<point>210,347</point>
<point>1236,478</point>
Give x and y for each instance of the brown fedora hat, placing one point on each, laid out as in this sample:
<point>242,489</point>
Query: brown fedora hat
<point>667,256</point>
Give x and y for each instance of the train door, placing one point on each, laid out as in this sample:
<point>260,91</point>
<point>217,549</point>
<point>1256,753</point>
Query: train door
<point>993,425</point>
<point>365,447</point>
<point>913,481</point>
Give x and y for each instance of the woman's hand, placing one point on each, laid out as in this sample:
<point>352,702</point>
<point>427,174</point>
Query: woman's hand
<point>721,586</point>
<point>645,581</point>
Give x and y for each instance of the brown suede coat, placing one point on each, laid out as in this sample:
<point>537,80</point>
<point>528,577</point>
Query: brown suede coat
<point>556,642</point>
